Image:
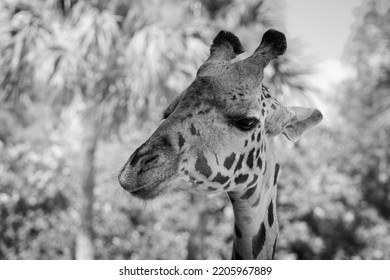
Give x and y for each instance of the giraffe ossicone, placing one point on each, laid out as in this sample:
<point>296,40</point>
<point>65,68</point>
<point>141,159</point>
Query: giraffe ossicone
<point>218,136</point>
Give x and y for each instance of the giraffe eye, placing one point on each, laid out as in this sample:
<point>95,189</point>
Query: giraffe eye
<point>247,123</point>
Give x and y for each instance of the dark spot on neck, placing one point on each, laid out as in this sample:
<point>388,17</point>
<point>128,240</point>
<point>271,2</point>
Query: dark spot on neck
<point>237,231</point>
<point>202,166</point>
<point>253,137</point>
<point>232,200</point>
<point>249,160</point>
<point>245,143</point>
<point>274,249</point>
<point>241,178</point>
<point>181,141</point>
<point>239,163</point>
<point>229,161</point>
<point>256,202</point>
<point>219,178</point>
<point>259,163</point>
<point>216,158</point>
<point>235,254</point>
<point>212,189</point>
<point>271,214</point>
<point>193,129</point>
<point>248,193</point>
<point>254,181</point>
<point>259,136</point>
<point>276,173</point>
<point>258,241</point>
<point>227,186</point>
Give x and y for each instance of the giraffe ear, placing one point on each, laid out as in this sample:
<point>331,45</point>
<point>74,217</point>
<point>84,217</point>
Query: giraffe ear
<point>273,44</point>
<point>226,46</point>
<point>301,120</point>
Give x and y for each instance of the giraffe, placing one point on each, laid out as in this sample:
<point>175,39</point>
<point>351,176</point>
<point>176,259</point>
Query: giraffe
<point>218,136</point>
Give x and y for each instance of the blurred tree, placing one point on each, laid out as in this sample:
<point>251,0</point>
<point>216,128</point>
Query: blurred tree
<point>334,200</point>
<point>368,52</point>
<point>110,61</point>
<point>85,57</point>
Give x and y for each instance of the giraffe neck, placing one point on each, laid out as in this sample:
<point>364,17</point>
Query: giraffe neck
<point>255,220</point>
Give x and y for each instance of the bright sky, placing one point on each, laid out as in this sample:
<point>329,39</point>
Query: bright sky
<point>323,27</point>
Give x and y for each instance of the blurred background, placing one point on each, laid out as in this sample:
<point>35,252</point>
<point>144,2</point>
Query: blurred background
<point>84,83</point>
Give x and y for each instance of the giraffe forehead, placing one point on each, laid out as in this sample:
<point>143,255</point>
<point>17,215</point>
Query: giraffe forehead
<point>230,98</point>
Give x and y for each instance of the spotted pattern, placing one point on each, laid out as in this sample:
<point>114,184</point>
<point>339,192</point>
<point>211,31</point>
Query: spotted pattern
<point>239,163</point>
<point>229,161</point>
<point>257,202</point>
<point>227,186</point>
<point>248,193</point>
<point>193,129</point>
<point>219,178</point>
<point>247,219</point>
<point>254,181</point>
<point>181,141</point>
<point>241,178</point>
<point>270,214</point>
<point>236,255</point>
<point>237,231</point>
<point>202,166</point>
<point>259,163</point>
<point>276,173</point>
<point>274,249</point>
<point>258,241</point>
<point>249,160</point>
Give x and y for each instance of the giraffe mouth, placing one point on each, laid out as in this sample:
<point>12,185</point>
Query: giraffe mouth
<point>148,183</point>
<point>151,191</point>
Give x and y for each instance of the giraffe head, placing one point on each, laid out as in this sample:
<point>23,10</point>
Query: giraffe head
<point>215,134</point>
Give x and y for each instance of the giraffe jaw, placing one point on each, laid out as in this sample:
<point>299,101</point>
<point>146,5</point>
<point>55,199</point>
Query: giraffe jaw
<point>152,189</point>
<point>149,192</point>
<point>159,188</point>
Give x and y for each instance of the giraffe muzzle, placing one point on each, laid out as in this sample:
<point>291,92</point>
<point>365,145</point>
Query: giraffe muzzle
<point>148,170</point>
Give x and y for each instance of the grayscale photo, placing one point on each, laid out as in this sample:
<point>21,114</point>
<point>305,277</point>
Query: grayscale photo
<point>194,130</point>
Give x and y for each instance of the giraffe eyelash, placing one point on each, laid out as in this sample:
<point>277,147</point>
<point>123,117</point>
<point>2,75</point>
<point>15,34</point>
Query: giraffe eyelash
<point>245,123</point>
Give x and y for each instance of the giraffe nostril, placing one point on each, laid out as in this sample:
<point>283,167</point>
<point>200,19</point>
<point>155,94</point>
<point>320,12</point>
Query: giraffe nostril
<point>148,160</point>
